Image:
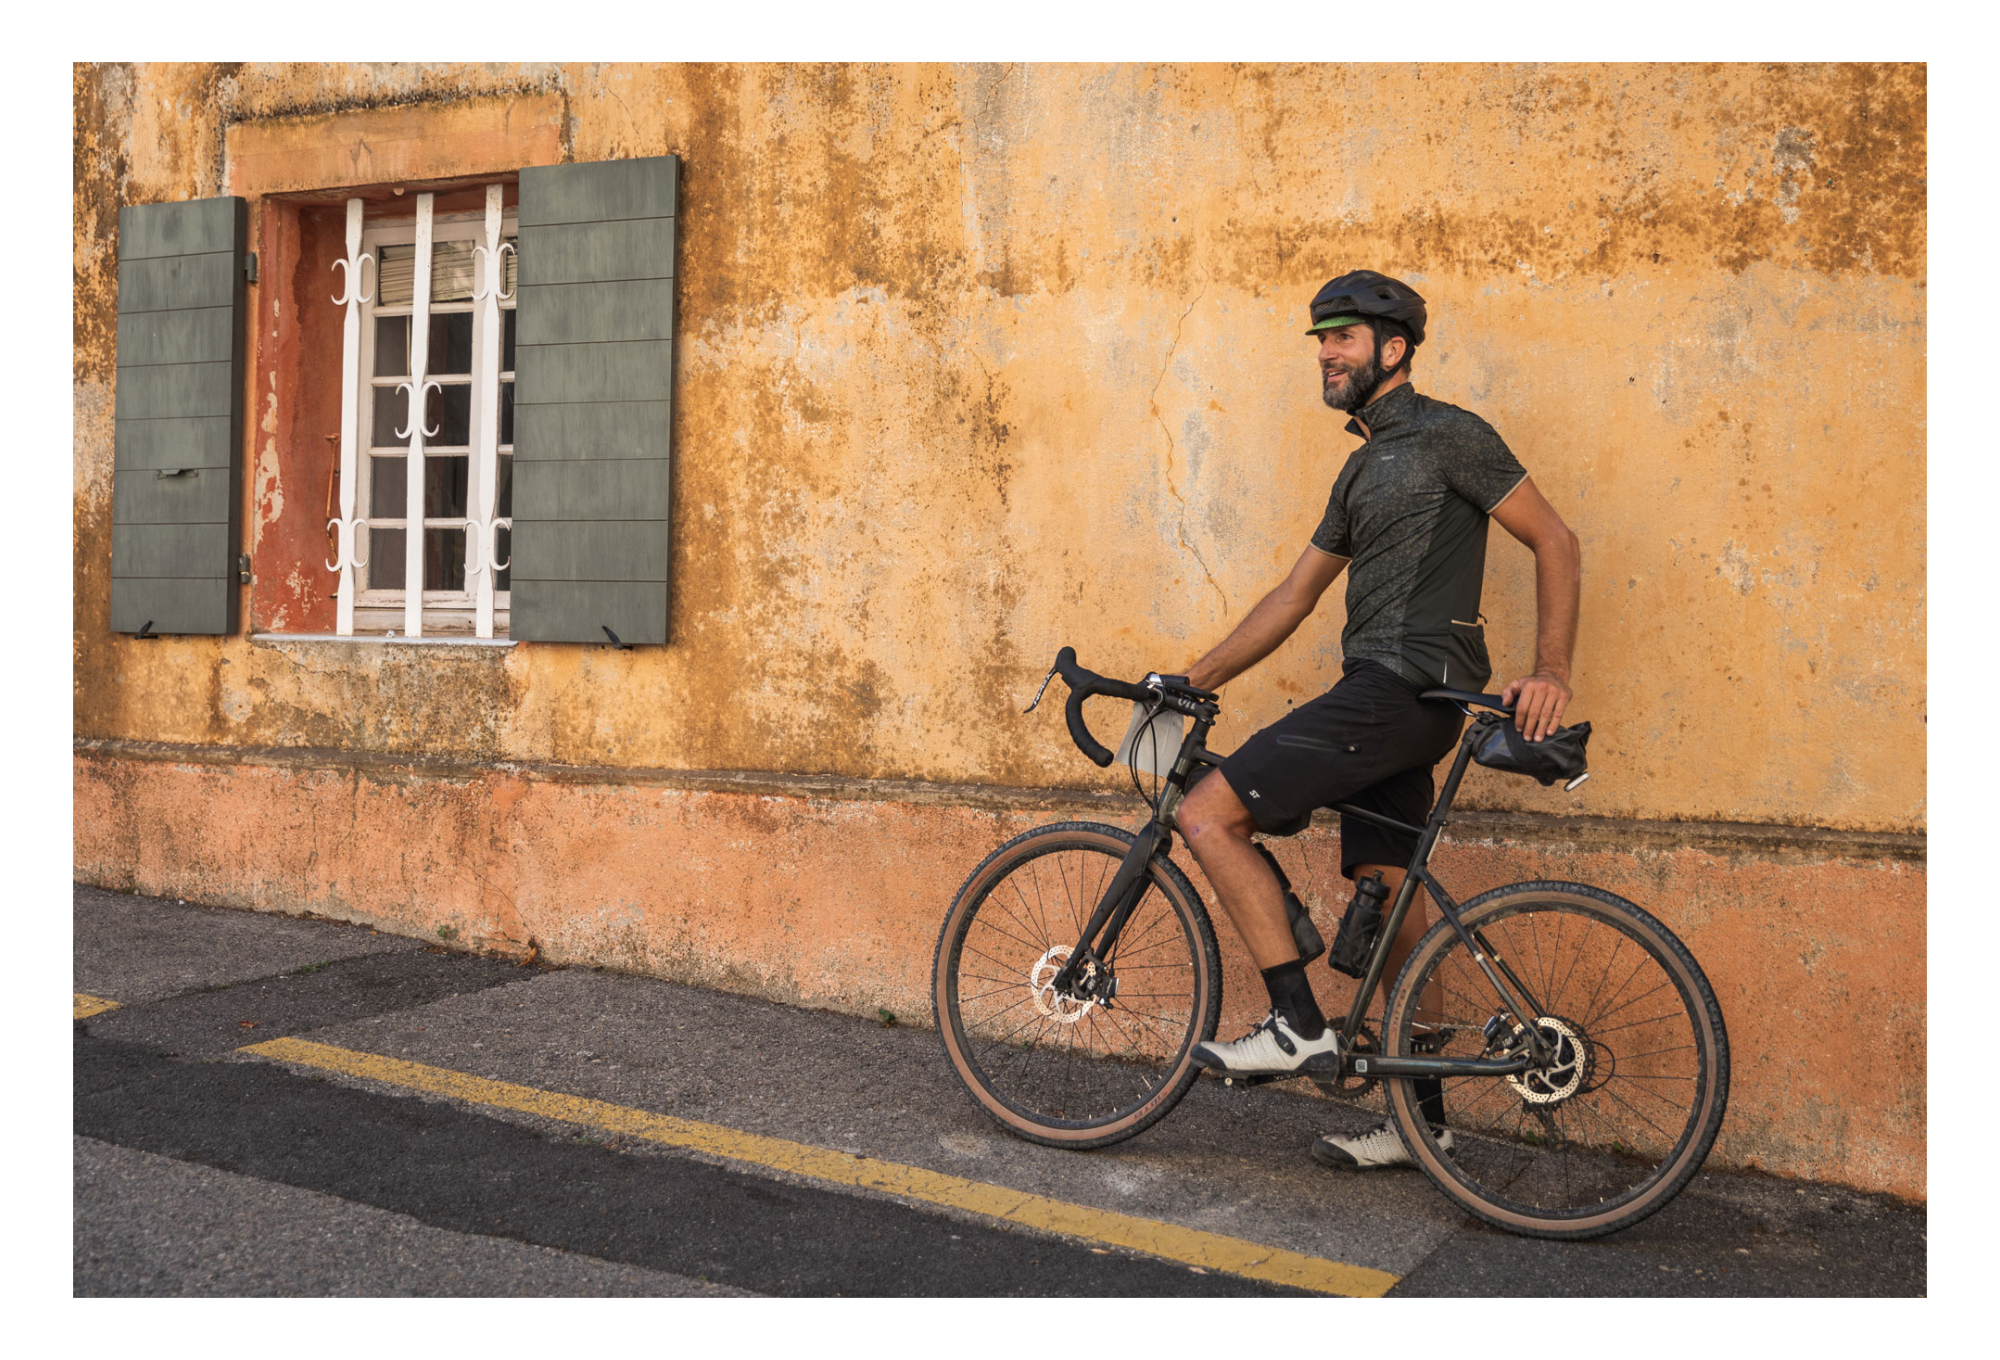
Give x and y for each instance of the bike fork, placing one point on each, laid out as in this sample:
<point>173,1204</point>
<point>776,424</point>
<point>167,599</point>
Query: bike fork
<point>1120,899</point>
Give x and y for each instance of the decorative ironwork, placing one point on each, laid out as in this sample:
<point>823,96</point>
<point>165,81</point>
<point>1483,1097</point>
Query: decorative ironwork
<point>487,268</point>
<point>351,298</point>
<point>482,544</point>
<point>352,275</point>
<point>417,399</point>
<point>347,536</point>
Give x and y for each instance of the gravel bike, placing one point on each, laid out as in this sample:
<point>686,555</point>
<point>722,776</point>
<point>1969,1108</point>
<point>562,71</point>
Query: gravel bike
<point>1583,1057</point>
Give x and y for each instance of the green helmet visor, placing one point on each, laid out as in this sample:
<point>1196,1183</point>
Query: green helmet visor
<point>1332,322</point>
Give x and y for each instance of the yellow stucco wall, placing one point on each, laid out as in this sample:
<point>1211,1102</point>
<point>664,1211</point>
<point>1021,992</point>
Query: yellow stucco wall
<point>978,361</point>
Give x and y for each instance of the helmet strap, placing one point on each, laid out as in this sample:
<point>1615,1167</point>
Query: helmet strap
<point>1375,329</point>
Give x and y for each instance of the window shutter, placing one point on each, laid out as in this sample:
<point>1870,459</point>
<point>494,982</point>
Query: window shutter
<point>176,478</point>
<point>593,392</point>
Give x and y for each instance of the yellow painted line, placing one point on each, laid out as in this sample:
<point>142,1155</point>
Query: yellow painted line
<point>1189,1246</point>
<point>87,1006</point>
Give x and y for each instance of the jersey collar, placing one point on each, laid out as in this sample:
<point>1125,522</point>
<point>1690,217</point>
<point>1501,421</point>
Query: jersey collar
<point>1384,413</point>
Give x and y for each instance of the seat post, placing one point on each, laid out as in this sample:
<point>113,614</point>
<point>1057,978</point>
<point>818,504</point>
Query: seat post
<point>1441,810</point>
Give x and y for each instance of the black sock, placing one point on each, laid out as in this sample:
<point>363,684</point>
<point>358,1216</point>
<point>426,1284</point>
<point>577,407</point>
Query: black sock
<point>1292,997</point>
<point>1429,1092</point>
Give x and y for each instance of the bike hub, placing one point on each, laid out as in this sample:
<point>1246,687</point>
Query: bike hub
<point>1093,986</point>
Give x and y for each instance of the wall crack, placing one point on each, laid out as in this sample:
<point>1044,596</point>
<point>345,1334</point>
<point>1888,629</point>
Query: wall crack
<point>1153,400</point>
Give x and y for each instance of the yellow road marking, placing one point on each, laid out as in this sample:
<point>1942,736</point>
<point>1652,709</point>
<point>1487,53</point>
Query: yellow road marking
<point>1190,1246</point>
<point>87,1006</point>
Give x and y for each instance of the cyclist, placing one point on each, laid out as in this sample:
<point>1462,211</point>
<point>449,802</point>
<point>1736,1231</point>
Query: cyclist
<point>1407,520</point>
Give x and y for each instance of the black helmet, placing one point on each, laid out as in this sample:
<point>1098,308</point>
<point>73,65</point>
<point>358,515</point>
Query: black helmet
<point>1363,295</point>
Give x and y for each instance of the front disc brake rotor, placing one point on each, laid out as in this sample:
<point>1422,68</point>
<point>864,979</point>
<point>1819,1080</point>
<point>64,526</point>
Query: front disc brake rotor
<point>1064,1010</point>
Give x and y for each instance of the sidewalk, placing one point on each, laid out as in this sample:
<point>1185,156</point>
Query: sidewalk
<point>456,1124</point>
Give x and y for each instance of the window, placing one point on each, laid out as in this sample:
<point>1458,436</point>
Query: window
<point>438,323</point>
<point>447,523</point>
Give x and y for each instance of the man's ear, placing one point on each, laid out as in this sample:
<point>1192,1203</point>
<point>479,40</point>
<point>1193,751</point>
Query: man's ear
<point>1393,351</point>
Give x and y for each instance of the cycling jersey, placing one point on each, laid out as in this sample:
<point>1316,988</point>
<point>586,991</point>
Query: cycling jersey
<point>1409,509</point>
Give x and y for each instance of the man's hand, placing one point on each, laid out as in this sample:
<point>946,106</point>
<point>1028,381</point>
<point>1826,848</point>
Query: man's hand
<point>1539,701</point>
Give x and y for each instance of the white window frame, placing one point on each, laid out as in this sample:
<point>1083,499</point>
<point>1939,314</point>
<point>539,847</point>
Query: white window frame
<point>480,608</point>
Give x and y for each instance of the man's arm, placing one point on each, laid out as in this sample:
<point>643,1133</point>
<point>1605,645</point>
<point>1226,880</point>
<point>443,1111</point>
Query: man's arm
<point>1276,617</point>
<point>1540,699</point>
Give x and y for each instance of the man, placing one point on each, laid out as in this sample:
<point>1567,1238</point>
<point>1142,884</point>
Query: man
<point>1407,519</point>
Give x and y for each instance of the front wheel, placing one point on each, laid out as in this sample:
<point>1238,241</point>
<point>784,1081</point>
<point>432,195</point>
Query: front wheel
<point>1629,1105</point>
<point>1061,1070</point>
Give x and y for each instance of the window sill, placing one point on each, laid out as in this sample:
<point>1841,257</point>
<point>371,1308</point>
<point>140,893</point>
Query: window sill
<point>382,639</point>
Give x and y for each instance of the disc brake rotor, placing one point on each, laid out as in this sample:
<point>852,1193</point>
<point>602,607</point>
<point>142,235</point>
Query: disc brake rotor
<point>1064,1010</point>
<point>1566,1073</point>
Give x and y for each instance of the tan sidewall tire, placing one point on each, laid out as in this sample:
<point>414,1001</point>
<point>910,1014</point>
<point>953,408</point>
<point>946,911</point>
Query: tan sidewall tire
<point>1172,884</point>
<point>1694,990</point>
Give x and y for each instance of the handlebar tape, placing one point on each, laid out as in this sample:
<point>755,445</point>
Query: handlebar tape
<point>1082,685</point>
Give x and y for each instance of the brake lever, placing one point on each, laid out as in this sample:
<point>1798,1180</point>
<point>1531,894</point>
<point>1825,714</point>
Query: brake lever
<point>1040,692</point>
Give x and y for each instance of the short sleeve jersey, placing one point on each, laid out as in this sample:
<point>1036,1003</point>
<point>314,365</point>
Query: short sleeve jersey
<point>1410,510</point>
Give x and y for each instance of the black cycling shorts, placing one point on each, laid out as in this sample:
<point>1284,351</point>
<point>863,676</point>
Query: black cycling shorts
<point>1368,741</point>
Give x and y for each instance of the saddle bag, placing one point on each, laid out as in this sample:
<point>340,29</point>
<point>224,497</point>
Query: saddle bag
<point>1559,755</point>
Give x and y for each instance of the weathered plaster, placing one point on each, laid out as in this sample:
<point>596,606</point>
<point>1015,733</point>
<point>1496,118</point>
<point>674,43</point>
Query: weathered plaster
<point>978,361</point>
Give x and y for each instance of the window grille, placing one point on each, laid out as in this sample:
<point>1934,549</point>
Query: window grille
<point>434,335</point>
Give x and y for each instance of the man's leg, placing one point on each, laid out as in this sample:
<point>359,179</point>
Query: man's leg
<point>1415,922</point>
<point>1429,1091</point>
<point>1217,828</point>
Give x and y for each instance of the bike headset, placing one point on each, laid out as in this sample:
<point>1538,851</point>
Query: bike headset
<point>1388,306</point>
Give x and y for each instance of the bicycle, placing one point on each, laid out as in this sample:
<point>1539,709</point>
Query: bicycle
<point>1583,1056</point>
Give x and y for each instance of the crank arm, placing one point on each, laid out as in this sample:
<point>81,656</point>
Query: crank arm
<point>1371,1065</point>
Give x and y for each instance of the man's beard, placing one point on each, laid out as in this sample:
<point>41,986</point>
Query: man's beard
<point>1353,394</point>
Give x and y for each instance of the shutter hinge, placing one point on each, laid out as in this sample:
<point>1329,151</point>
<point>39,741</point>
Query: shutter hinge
<point>243,568</point>
<point>250,267</point>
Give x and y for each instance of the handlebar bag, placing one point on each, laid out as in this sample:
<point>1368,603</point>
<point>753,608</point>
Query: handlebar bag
<point>1559,755</point>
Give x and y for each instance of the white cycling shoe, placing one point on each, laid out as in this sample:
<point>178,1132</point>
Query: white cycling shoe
<point>1273,1049</point>
<point>1379,1147</point>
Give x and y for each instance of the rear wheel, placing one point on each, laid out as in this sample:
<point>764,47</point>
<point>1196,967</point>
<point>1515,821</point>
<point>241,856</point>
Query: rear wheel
<point>1062,1070</point>
<point>1629,1106</point>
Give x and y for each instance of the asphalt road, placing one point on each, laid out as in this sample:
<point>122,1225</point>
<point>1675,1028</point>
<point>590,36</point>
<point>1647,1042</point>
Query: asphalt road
<point>203,1169</point>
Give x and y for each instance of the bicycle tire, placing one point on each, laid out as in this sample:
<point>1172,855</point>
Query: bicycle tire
<point>1087,1075</point>
<point>1552,1156</point>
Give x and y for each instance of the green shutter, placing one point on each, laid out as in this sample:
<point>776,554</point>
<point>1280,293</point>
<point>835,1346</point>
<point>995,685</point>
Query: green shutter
<point>176,473</point>
<point>593,401</point>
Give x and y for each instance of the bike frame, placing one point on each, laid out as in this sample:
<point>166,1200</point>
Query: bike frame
<point>1121,897</point>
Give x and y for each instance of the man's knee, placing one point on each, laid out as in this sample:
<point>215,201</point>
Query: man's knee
<point>1212,810</point>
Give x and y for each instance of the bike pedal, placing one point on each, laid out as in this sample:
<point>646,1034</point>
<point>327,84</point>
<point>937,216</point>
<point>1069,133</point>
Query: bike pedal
<point>1260,1079</point>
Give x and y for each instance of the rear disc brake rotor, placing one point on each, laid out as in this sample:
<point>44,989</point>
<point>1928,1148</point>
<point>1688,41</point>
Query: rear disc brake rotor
<point>1568,1071</point>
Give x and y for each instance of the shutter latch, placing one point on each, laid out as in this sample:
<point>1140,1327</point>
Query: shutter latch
<point>615,640</point>
<point>175,472</point>
<point>243,568</point>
